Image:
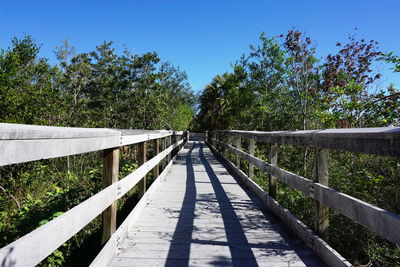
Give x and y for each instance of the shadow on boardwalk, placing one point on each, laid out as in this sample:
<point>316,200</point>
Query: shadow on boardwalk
<point>186,219</point>
<point>223,204</point>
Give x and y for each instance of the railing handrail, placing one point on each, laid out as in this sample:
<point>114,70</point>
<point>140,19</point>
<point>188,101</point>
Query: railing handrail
<point>23,143</point>
<point>381,141</point>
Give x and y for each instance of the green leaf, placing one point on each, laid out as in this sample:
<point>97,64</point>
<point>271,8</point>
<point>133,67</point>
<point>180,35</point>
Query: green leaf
<point>42,222</point>
<point>58,213</point>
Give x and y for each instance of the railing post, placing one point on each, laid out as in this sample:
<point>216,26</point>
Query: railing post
<point>205,136</point>
<point>224,140</point>
<point>238,145</point>
<point>163,147</point>
<point>231,141</point>
<point>177,139</point>
<point>156,151</point>
<point>220,139</point>
<point>110,176</point>
<point>185,140</point>
<point>216,138</point>
<point>273,155</point>
<point>213,137</point>
<point>168,145</point>
<point>321,222</point>
<point>252,148</point>
<point>173,141</point>
<point>142,149</point>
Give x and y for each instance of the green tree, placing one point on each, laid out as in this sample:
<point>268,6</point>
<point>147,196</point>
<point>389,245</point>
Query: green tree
<point>104,89</point>
<point>28,92</point>
<point>303,74</point>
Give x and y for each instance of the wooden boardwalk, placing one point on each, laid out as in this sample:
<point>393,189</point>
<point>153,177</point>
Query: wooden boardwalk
<point>196,213</point>
<point>200,216</point>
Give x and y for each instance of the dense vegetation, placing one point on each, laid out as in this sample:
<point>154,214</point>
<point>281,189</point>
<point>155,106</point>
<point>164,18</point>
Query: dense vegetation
<point>280,84</point>
<point>97,89</point>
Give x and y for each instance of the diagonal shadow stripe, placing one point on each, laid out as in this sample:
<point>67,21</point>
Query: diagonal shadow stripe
<point>229,217</point>
<point>186,219</point>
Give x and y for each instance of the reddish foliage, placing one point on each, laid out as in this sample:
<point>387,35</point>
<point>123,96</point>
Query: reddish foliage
<point>352,62</point>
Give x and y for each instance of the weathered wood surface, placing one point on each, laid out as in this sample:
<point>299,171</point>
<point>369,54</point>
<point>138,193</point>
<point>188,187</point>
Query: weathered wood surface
<point>22,143</point>
<point>327,253</point>
<point>252,148</point>
<point>201,216</point>
<point>11,131</point>
<point>142,158</point>
<point>110,176</point>
<point>196,136</point>
<point>30,249</point>
<point>156,150</point>
<point>163,146</point>
<point>129,137</point>
<point>381,141</point>
<point>321,220</point>
<point>114,244</point>
<point>382,222</point>
<point>18,151</point>
<point>272,181</point>
<point>238,144</point>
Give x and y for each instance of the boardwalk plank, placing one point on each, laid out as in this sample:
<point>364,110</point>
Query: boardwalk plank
<point>211,261</point>
<point>201,216</point>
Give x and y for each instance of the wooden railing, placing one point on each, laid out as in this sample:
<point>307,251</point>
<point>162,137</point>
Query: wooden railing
<point>23,143</point>
<point>379,141</point>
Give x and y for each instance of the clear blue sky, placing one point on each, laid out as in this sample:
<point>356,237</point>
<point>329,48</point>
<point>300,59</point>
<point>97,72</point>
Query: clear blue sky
<point>202,37</point>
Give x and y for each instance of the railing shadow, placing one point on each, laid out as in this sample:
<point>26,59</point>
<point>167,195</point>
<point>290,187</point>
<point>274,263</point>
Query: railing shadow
<point>219,221</point>
<point>289,239</point>
<point>230,219</point>
<point>186,219</point>
<point>8,260</point>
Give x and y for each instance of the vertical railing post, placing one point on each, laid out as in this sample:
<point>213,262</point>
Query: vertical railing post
<point>173,141</point>
<point>273,155</point>
<point>238,144</point>
<point>163,147</point>
<point>219,138</point>
<point>223,139</point>
<point>229,141</point>
<point>168,145</point>
<point>177,139</point>
<point>180,137</point>
<point>216,139</point>
<point>184,138</point>
<point>252,148</point>
<point>213,136</point>
<point>142,151</point>
<point>156,151</point>
<point>205,136</point>
<point>321,222</point>
<point>110,176</point>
